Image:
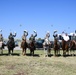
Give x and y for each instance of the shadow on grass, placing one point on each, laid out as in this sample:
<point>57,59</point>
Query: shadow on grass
<point>35,55</point>
<point>50,55</point>
<point>71,55</point>
<point>6,54</point>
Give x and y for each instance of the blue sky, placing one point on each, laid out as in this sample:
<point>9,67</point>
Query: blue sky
<point>39,15</point>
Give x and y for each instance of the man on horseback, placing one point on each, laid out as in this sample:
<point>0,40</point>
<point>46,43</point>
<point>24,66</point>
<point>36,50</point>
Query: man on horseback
<point>55,35</point>
<point>11,38</point>
<point>56,43</point>
<point>24,44</point>
<point>1,41</point>
<point>1,37</point>
<point>73,38</point>
<point>46,44</point>
<point>32,38</point>
<point>46,39</point>
<point>65,36</point>
<point>25,34</point>
<point>65,43</point>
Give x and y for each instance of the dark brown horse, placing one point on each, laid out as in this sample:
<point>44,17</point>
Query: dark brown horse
<point>24,46</point>
<point>10,46</point>
<point>65,47</point>
<point>56,47</point>
<point>32,47</point>
<point>72,47</point>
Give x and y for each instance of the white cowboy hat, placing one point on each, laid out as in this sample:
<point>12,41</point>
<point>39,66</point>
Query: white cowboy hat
<point>35,31</point>
<point>25,30</point>
<point>48,32</point>
<point>55,30</point>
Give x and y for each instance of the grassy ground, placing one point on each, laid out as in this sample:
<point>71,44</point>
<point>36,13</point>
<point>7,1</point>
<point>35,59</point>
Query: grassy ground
<point>38,65</point>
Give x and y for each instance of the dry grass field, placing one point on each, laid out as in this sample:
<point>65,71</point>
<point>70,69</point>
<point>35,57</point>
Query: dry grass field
<point>17,64</point>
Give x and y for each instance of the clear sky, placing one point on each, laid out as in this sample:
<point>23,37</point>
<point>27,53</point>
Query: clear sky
<point>39,15</point>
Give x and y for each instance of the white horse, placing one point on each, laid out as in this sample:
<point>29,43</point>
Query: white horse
<point>1,48</point>
<point>46,46</point>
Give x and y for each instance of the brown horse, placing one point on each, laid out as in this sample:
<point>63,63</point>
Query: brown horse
<point>24,46</point>
<point>72,47</point>
<point>56,47</point>
<point>65,47</point>
<point>31,47</point>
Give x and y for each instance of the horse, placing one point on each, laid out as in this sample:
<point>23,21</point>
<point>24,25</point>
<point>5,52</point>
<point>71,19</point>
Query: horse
<point>32,47</point>
<point>10,46</point>
<point>46,47</point>
<point>56,47</point>
<point>2,46</point>
<point>24,46</point>
<point>72,47</point>
<point>65,47</point>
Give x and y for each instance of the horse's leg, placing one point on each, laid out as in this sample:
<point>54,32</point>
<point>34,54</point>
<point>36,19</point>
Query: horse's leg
<point>12,51</point>
<point>57,52</point>
<point>25,51</point>
<point>30,51</point>
<point>8,51</point>
<point>47,52</point>
<point>22,51</point>
<point>1,51</point>
<point>67,49</point>
<point>73,52</point>
<point>70,51</point>
<point>54,52</point>
<point>64,52</point>
<point>44,52</point>
<point>33,51</point>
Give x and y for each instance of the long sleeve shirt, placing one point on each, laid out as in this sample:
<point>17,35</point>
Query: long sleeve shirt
<point>32,38</point>
<point>24,36</point>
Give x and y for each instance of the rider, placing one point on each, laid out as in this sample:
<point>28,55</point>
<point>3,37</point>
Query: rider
<point>11,37</point>
<point>65,36</point>
<point>55,35</point>
<point>73,38</point>
<point>25,34</point>
<point>46,39</point>
<point>32,38</point>
<point>1,38</point>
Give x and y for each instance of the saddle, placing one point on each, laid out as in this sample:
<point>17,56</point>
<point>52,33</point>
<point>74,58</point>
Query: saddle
<point>11,43</point>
